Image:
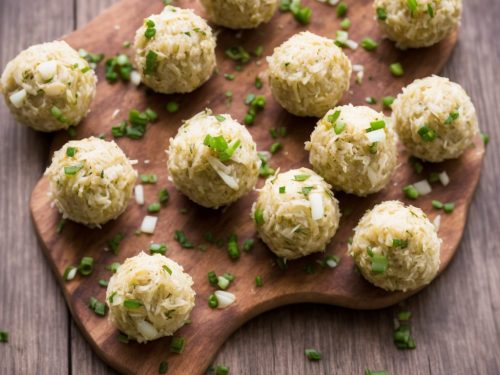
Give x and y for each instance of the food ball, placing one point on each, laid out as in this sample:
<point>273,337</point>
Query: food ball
<point>91,181</point>
<point>240,14</point>
<point>213,160</point>
<point>296,213</point>
<point>48,86</point>
<point>175,51</point>
<point>435,119</point>
<point>149,296</point>
<point>396,247</point>
<point>308,74</point>
<point>418,24</point>
<point>353,149</point>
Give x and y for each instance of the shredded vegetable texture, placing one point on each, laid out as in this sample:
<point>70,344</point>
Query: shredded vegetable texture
<point>48,86</point>
<point>405,237</point>
<point>184,46</point>
<point>429,23</point>
<point>200,171</point>
<point>150,296</point>
<point>299,221</point>
<point>308,74</point>
<point>350,160</point>
<point>240,14</point>
<point>442,108</point>
<point>93,186</point>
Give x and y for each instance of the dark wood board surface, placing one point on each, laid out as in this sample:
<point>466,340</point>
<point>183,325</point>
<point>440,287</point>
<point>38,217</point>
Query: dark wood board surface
<point>277,363</point>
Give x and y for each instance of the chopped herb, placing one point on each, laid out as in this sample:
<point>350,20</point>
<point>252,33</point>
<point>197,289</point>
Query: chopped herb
<point>331,261</point>
<point>410,192</point>
<point>399,243</point>
<point>150,63</point>
<point>113,267</point>
<point>258,281</point>
<point>71,131</point>
<point>114,243</point>
<point>4,336</point>
<point>229,76</point>
<point>212,301</point>
<point>212,278</point>
<point>148,178</point>
<point>232,247</point>
<point>60,225</point>
<point>92,58</point>
<point>172,107</point>
<point>433,177</point>
<point>259,216</point>
<point>126,44</point>
<point>486,138</point>
<point>345,23</point>
<point>167,269</point>
<point>70,151</point>
<point>117,67</point>
<point>259,50</point>
<point>98,307</point>
<point>449,207</point>
<point>177,344</point>
<point>151,115</point>
<point>379,263</point>
<point>369,44</point>
<point>381,14</point>
<point>427,134</point>
<point>258,82</point>
<point>301,177</point>
<point>387,101</point>
<point>265,170</point>
<point>396,69</point>
<point>103,283</point>
<point>163,367</point>
<point>182,239</point>
<point>221,147</point>
<point>333,117</point>
<point>275,147</point>
<point>312,354</point>
<point>417,165</point>
<point>451,117</point>
<point>430,10</point>
<point>341,9</point>
<point>282,189</point>
<point>150,29</point>
<point>220,118</point>
<point>437,204</point>
<point>158,248</point>
<point>339,127</point>
<point>86,266</point>
<point>412,6</point>
<point>221,370</point>
<point>70,273</point>
<point>307,189</point>
<point>72,169</point>
<point>163,195</point>
<point>132,303</point>
<point>302,14</point>
<point>238,54</point>
<point>248,244</point>
<point>154,207</point>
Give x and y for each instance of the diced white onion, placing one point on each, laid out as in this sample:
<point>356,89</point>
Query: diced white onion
<point>139,194</point>
<point>333,2</point>
<point>149,224</point>
<point>146,329</point>
<point>47,69</point>
<point>224,298</point>
<point>317,208</point>
<point>443,177</point>
<point>135,78</point>
<point>331,263</point>
<point>376,135</point>
<point>423,187</point>
<point>357,68</point>
<point>17,98</point>
<point>359,77</point>
<point>228,180</point>
<point>351,44</point>
<point>115,113</point>
<point>55,89</point>
<point>71,274</point>
<point>437,222</point>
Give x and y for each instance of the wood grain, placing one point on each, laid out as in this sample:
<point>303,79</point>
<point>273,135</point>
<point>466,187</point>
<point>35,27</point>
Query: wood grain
<point>342,286</point>
<point>450,339</point>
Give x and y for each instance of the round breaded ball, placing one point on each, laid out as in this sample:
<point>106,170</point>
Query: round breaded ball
<point>435,119</point>
<point>149,296</point>
<point>213,160</point>
<point>240,14</point>
<point>296,213</point>
<point>48,86</point>
<point>175,51</point>
<point>91,181</point>
<point>308,74</point>
<point>396,247</point>
<point>425,25</point>
<point>354,149</point>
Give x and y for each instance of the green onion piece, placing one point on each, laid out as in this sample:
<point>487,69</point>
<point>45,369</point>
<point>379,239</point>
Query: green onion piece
<point>341,9</point>
<point>258,281</point>
<point>451,117</point>
<point>312,354</point>
<point>151,115</point>
<point>412,6</point>
<point>376,125</point>
<point>163,195</point>
<point>222,282</point>
<point>381,14</point>
<point>333,117</point>
<point>167,268</point>
<point>331,261</point>
<point>301,177</point>
<point>303,15</point>
<point>404,315</point>
<point>177,344</point>
<point>339,127</point>
<point>154,207</point>
<point>259,216</point>
<point>212,278</point>
<point>212,301</point>
<point>232,247</point>
<point>103,282</point>
<point>220,118</point>
<point>148,178</point>
<point>282,189</point>
<point>132,303</point>
<point>98,307</point>
<point>238,54</point>
<point>163,367</point>
<point>172,107</point>
<point>114,243</point>
<point>275,147</point>
<point>60,225</point>
<point>259,51</point>
<point>371,372</point>
<point>113,267</point>
<point>229,76</point>
<point>486,138</point>
<point>150,63</point>
<point>123,338</point>
<point>449,207</point>
<point>403,244</point>
<point>72,131</point>
<point>4,336</point>
<point>69,273</point>
<point>86,266</point>
<point>56,112</point>
<point>182,239</point>
<point>248,244</point>
<point>221,370</point>
<point>379,263</point>
<point>258,83</point>
<point>418,167</point>
<point>433,177</point>
<point>70,151</point>
<point>72,169</point>
<point>430,10</point>
<point>369,44</point>
<point>427,134</point>
<point>306,190</point>
<point>150,32</point>
<point>396,69</point>
<point>345,23</point>
<point>387,101</point>
<point>437,204</point>
<point>371,100</point>
<point>410,192</point>
<point>158,248</point>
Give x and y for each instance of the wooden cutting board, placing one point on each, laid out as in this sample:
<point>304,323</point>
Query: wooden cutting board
<point>342,286</point>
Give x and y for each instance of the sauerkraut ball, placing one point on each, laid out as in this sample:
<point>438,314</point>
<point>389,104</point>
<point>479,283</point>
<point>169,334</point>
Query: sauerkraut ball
<point>149,296</point>
<point>419,23</point>
<point>435,119</point>
<point>308,74</point>
<point>240,14</point>
<point>396,247</point>
<point>91,181</point>
<point>353,149</point>
<point>213,160</point>
<point>296,213</point>
<point>175,51</point>
<point>48,86</point>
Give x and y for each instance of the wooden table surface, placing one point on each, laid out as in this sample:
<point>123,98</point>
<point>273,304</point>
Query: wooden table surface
<point>456,320</point>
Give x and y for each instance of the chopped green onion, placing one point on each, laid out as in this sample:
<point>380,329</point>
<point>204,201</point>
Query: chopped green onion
<point>167,269</point>
<point>229,76</point>
<point>259,216</point>
<point>449,207</point>
<point>379,263</point>
<point>430,10</point>
<point>103,282</point>
<point>150,63</point>
<point>427,134</point>
<point>259,51</point>
<point>98,307</point>
<point>212,278</point>
<point>212,301</point>
<point>301,177</point>
<point>282,189</point>
<point>86,266</point>
<point>258,281</point>
<point>451,117</point>
<point>4,336</point>
<point>154,207</point>
<point>396,69</point>
<point>113,267</point>
<point>222,282</point>
<point>345,23</point>
<point>411,192</point>
<point>163,367</point>
<point>306,190</point>
<point>172,107</point>
<point>70,273</point>
<point>177,344</point>
<point>400,243</point>
<point>341,9</point>
<point>220,118</point>
<point>312,354</point>
<point>182,239</point>
<point>369,44</point>
<point>60,225</point>
<point>387,101</point>
<point>148,178</point>
<point>331,261</point>
<point>339,127</point>
<point>70,151</point>
<point>333,117</point>
<point>132,303</point>
<point>114,243</point>
<point>486,138</point>
<point>370,100</point>
<point>258,83</point>
<point>437,204</point>
<point>376,125</point>
<point>412,6</point>
<point>303,15</point>
<point>151,115</point>
<point>163,195</point>
<point>158,248</point>
<point>238,54</point>
<point>248,244</point>
<point>275,147</point>
<point>221,370</point>
<point>381,14</point>
<point>404,315</point>
<point>232,247</point>
<point>72,169</point>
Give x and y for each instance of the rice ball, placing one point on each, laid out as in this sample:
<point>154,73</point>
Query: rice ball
<point>396,247</point>
<point>213,160</point>
<point>48,86</point>
<point>435,119</point>
<point>420,25</point>
<point>308,74</point>
<point>91,181</point>
<point>175,51</point>
<point>353,149</point>
<point>240,14</point>
<point>149,296</point>
<point>296,214</point>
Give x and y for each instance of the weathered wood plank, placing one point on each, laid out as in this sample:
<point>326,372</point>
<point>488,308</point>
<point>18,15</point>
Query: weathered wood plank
<point>32,309</point>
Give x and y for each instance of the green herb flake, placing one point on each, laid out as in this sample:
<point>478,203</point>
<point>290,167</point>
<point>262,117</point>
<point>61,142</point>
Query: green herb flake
<point>379,263</point>
<point>132,304</point>
<point>86,266</point>
<point>98,307</point>
<point>411,192</point>
<point>312,354</point>
<point>396,69</point>
<point>381,14</point>
<point>72,169</point>
<point>163,367</point>
<point>248,244</point>
<point>369,44</point>
<point>177,344</point>
<point>451,117</point>
<point>221,370</point>
<point>259,216</point>
<point>172,107</point>
<point>158,248</point>
<point>301,177</point>
<point>150,67</point>
<point>114,243</point>
<point>181,238</point>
